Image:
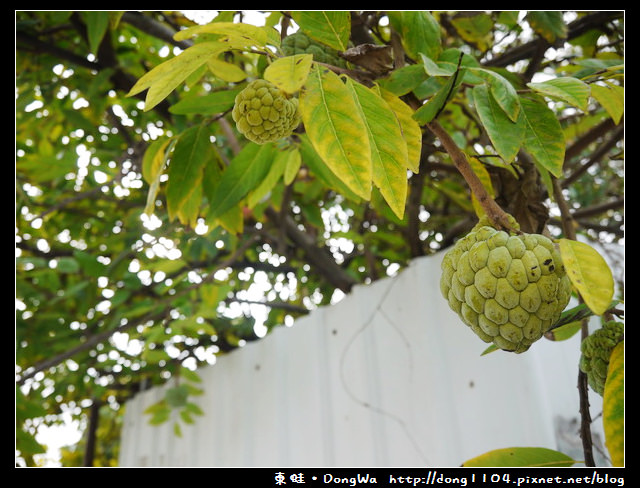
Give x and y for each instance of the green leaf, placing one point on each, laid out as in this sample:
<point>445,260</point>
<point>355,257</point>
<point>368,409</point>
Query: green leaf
<point>420,34</point>
<point>571,90</point>
<point>405,79</point>
<point>388,148</point>
<point>97,24</point>
<point>564,332</point>
<point>269,181</point>
<point>177,396</point>
<point>190,375</point>
<point>520,457</point>
<point>506,136</point>
<point>589,273</point>
<point>336,130</point>
<point>246,170</point>
<point>502,90</point>
<point>289,73</point>
<point>611,97</point>
<point>613,406</point>
<point>410,129</point>
<point>332,28</point>
<point>427,112</point>
<point>159,411</point>
<point>192,152</point>
<point>436,69</point>
<point>42,167</point>
<point>166,77</point>
<point>209,104</point>
<point>543,137</point>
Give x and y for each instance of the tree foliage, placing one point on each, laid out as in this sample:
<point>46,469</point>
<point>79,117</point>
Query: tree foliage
<point>151,236</point>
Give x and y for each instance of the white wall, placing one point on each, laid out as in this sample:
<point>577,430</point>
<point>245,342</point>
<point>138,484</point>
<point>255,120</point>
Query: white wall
<point>387,377</point>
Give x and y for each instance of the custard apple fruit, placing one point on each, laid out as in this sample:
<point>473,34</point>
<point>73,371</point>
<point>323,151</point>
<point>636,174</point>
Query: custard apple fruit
<point>509,288</point>
<point>596,350</point>
<point>301,43</point>
<point>263,113</point>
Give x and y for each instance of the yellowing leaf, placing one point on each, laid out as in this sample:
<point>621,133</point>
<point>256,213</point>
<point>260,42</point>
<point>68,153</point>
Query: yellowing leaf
<point>571,90</point>
<point>388,147</point>
<point>589,274</point>
<point>289,73</point>
<point>236,34</point>
<point>410,129</point>
<point>166,77</point>
<point>611,97</point>
<point>613,406</point>
<point>336,130</point>
<point>485,178</point>
<point>520,456</point>
<point>153,163</point>
<point>294,161</point>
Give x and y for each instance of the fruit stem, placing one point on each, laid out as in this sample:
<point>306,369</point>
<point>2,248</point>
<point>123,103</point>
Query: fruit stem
<point>498,217</point>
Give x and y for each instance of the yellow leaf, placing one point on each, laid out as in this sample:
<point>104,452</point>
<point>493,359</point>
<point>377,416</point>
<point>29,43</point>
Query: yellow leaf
<point>336,130</point>
<point>589,273</point>
<point>410,128</point>
<point>226,71</point>
<point>613,406</point>
<point>388,147</point>
<point>165,77</point>
<point>520,456</point>
<point>289,73</point>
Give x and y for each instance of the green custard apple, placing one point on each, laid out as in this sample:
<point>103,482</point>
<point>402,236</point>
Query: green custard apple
<point>263,113</point>
<point>596,350</point>
<point>301,43</point>
<point>509,288</point>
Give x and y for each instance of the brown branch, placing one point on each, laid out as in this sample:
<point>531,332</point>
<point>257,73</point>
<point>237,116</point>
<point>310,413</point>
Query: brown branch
<point>318,257</point>
<point>576,28</point>
<point>583,387</point>
<point>493,211</point>
<point>597,155</point>
<point>154,28</point>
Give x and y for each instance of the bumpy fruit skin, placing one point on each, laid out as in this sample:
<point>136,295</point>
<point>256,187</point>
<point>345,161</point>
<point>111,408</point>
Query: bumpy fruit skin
<point>509,289</point>
<point>300,43</point>
<point>263,113</point>
<point>596,350</point>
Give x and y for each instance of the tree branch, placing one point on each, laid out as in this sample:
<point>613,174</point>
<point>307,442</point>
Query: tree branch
<point>495,214</point>
<point>317,256</point>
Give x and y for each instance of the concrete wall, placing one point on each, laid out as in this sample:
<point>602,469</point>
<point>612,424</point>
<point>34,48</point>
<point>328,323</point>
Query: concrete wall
<point>387,377</point>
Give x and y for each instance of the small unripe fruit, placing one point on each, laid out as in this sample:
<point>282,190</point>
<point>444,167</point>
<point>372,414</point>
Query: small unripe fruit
<point>596,350</point>
<point>263,113</point>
